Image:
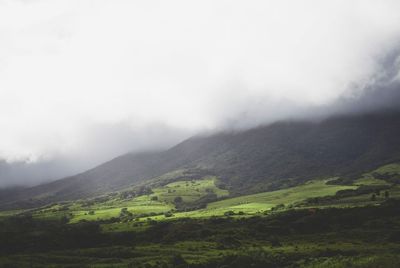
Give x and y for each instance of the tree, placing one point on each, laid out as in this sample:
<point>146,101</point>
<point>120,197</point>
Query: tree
<point>229,213</point>
<point>275,242</point>
<point>178,200</point>
<point>168,214</point>
<point>178,261</point>
<point>278,207</point>
<point>125,213</point>
<point>386,194</point>
<point>373,197</point>
<point>209,190</point>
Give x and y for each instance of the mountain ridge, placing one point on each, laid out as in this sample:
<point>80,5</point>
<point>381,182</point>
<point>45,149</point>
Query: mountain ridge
<point>258,159</point>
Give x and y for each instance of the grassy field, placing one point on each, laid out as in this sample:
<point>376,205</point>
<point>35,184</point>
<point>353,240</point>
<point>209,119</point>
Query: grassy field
<point>161,200</point>
<point>249,205</point>
<point>388,169</point>
<point>368,179</point>
<point>190,191</point>
<point>154,206</point>
<point>4,214</point>
<point>287,197</point>
<point>160,203</point>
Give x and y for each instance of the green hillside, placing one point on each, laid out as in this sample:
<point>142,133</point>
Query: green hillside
<point>185,199</point>
<point>262,159</point>
<point>203,198</point>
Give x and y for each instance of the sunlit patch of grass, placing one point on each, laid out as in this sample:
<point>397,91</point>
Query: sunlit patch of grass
<point>390,169</point>
<point>160,201</point>
<point>190,191</point>
<point>286,196</point>
<point>369,180</point>
<point>259,203</point>
<point>10,213</point>
<point>138,208</point>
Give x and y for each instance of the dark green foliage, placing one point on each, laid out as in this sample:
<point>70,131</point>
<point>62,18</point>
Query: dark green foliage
<point>283,239</point>
<point>275,241</point>
<point>168,214</point>
<point>178,261</point>
<point>178,200</point>
<point>229,213</point>
<point>198,204</point>
<point>363,189</point>
<point>278,207</point>
<point>125,213</point>
<point>392,178</point>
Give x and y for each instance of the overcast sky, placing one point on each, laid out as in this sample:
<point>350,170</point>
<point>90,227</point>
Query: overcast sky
<point>93,79</point>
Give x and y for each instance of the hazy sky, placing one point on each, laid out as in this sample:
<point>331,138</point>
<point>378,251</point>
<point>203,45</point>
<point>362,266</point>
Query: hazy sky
<point>94,79</point>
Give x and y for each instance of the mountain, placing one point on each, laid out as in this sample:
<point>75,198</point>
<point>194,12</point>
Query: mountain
<point>259,159</point>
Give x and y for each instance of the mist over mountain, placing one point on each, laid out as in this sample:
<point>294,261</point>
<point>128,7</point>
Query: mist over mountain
<point>78,90</point>
<point>354,133</point>
<point>378,95</point>
<point>109,141</point>
<point>247,161</point>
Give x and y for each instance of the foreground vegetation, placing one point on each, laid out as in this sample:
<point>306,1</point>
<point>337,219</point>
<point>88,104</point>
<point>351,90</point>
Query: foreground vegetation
<point>361,236</point>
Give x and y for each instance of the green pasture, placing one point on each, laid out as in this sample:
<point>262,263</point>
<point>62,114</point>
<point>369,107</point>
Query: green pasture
<point>190,191</point>
<point>287,197</point>
<point>262,202</point>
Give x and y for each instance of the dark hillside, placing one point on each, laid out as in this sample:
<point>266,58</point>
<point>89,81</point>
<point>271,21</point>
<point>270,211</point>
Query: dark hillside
<point>258,159</point>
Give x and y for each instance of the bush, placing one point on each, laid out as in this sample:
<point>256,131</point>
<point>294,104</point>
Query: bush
<point>168,214</point>
<point>229,213</point>
<point>178,200</point>
<point>278,207</point>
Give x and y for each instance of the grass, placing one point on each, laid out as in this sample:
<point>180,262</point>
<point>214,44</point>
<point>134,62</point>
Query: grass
<point>368,261</point>
<point>258,203</point>
<point>9,213</point>
<point>308,252</point>
<point>140,206</point>
<point>365,199</point>
<point>190,191</point>
<point>388,169</point>
<point>369,180</point>
<point>288,196</point>
<point>160,201</point>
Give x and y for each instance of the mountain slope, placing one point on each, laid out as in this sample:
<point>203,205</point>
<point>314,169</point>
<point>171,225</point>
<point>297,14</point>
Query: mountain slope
<point>263,158</point>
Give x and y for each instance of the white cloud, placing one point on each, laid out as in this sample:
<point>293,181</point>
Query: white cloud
<point>68,65</point>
